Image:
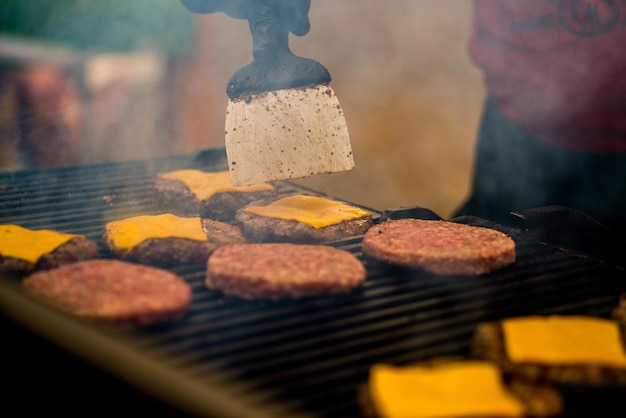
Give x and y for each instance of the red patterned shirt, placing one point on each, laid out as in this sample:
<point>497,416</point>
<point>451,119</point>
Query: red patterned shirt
<point>557,68</point>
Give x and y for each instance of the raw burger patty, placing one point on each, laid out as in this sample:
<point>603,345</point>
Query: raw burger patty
<point>112,291</point>
<point>440,247</point>
<point>282,270</point>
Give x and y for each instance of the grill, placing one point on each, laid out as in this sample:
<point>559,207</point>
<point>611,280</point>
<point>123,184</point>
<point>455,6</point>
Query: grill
<point>236,358</point>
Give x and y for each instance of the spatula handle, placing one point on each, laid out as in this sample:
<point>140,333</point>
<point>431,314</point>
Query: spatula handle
<point>274,67</point>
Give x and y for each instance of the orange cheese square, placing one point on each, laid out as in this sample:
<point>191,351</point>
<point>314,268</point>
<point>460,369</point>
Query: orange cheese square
<point>26,244</point>
<point>564,340</point>
<point>206,184</point>
<point>469,388</point>
<point>312,210</point>
<point>130,232</point>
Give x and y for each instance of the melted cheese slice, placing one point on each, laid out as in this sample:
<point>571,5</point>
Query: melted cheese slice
<point>29,245</point>
<point>128,233</point>
<point>564,340</point>
<point>469,388</point>
<point>204,185</point>
<point>312,210</point>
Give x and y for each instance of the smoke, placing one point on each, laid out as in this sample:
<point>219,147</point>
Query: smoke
<point>400,71</point>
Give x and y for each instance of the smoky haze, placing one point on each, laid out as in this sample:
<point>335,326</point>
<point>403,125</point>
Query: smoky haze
<point>411,97</point>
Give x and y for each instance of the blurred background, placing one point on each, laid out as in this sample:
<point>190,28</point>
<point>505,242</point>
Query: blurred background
<point>85,81</point>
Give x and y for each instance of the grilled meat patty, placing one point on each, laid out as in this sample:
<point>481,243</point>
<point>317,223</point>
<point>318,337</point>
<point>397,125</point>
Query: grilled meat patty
<point>539,400</point>
<point>619,313</point>
<point>76,249</point>
<point>177,197</point>
<point>258,228</point>
<point>172,250</point>
<point>282,270</point>
<point>440,247</point>
<point>261,229</point>
<point>112,291</point>
<point>488,343</point>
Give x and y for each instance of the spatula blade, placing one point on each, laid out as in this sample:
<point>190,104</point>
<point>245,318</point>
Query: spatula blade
<point>285,134</point>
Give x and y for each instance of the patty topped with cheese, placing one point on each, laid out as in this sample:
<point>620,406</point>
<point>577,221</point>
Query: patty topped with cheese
<point>302,218</point>
<point>26,250</point>
<point>167,238</point>
<point>565,350</point>
<point>207,194</point>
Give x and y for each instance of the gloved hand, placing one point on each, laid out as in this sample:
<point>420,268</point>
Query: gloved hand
<point>294,14</point>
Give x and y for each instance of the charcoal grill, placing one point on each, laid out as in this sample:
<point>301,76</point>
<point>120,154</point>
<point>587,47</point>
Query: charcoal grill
<point>307,358</point>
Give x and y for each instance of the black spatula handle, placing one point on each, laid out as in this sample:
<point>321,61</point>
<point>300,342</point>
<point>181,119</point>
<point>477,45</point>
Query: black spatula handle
<point>274,67</point>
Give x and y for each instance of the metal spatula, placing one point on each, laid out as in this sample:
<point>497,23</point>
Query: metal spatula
<point>283,119</point>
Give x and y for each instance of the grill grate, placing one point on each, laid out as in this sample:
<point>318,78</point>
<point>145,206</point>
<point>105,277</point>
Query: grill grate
<point>310,356</point>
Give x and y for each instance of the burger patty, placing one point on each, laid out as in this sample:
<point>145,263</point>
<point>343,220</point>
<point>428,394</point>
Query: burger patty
<point>488,343</point>
<point>112,291</point>
<point>76,249</point>
<point>282,270</point>
<point>169,251</point>
<point>258,228</point>
<point>440,247</point>
<point>175,196</point>
<point>619,313</point>
<point>540,400</point>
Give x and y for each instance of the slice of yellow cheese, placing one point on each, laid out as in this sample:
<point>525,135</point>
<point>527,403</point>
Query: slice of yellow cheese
<point>204,185</point>
<point>128,233</point>
<point>467,388</point>
<point>29,245</point>
<point>561,340</point>
<point>312,210</point>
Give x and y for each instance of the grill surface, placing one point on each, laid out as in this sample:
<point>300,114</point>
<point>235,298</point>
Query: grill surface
<point>308,357</point>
